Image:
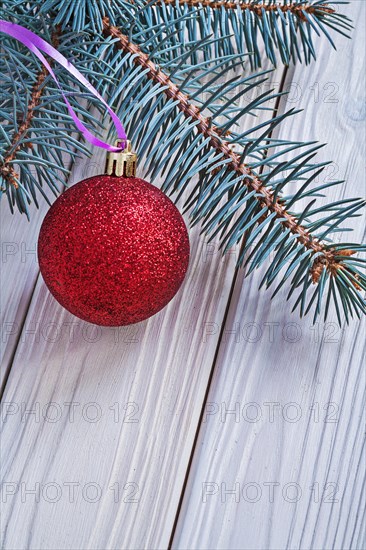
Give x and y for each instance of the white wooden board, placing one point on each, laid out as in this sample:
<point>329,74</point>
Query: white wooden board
<point>101,423</point>
<point>280,460</point>
<point>19,270</point>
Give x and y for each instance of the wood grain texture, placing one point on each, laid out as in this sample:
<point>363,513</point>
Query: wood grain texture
<point>283,429</point>
<point>19,270</point>
<point>136,396</point>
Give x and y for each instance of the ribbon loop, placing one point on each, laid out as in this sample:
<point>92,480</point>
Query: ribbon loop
<point>37,45</point>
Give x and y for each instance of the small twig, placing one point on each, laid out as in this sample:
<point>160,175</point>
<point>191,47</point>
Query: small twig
<point>6,170</point>
<point>294,8</point>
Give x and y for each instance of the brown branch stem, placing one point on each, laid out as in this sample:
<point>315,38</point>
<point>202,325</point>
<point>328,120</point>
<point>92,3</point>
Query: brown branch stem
<point>294,8</point>
<point>6,169</point>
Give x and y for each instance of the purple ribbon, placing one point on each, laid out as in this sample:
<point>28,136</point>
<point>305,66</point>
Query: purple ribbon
<point>34,43</point>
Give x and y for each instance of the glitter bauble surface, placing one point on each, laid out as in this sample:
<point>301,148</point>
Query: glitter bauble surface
<point>113,251</point>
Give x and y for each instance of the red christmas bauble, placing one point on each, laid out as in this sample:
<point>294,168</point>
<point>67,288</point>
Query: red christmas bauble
<point>113,250</point>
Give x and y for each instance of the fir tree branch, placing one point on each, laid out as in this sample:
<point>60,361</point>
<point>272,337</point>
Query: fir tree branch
<point>6,168</point>
<point>254,204</point>
<point>182,107</point>
<point>264,195</point>
<point>284,27</point>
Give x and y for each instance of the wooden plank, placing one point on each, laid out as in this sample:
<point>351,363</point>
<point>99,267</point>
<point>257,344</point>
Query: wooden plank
<point>283,429</point>
<point>146,383</point>
<point>19,271</point>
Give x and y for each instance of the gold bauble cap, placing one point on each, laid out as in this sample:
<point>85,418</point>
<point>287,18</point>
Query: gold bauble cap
<point>123,163</point>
